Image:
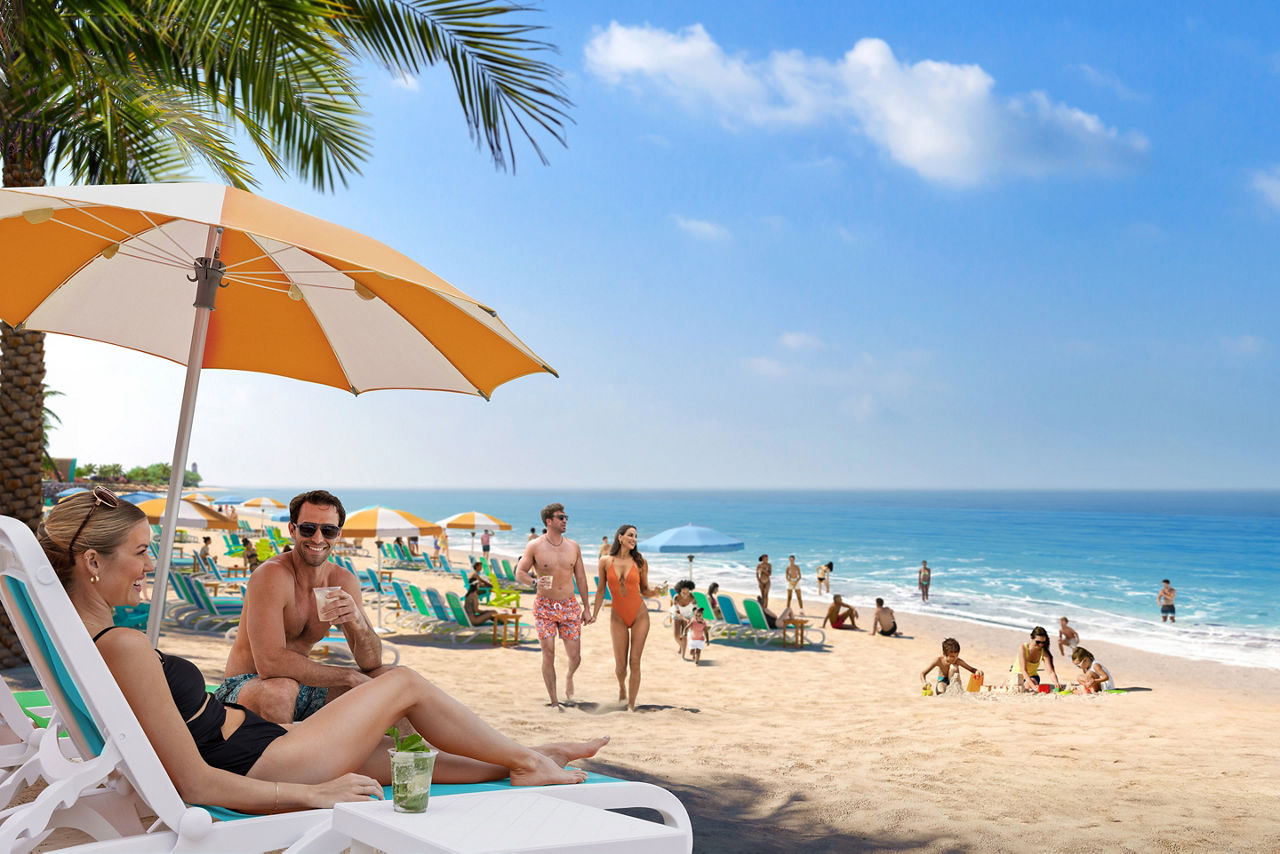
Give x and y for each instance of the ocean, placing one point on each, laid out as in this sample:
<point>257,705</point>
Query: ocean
<point>1009,558</point>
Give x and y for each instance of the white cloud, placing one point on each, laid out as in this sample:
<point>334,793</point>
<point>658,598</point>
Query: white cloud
<point>1243,345</point>
<point>942,120</point>
<point>1108,81</point>
<point>702,229</point>
<point>402,80</point>
<point>1267,184</point>
<point>766,367</point>
<point>799,341</point>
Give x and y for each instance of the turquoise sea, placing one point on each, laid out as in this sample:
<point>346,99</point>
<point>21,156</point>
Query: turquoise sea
<point>1017,558</point>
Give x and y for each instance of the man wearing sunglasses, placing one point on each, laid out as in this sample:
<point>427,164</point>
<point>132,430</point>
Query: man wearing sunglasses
<point>555,561</point>
<point>269,669</point>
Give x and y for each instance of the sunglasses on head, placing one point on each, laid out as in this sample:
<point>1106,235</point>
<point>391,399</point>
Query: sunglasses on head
<point>329,532</point>
<point>101,495</point>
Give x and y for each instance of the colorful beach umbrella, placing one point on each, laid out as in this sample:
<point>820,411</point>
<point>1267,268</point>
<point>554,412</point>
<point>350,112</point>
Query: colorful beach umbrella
<point>691,540</point>
<point>474,520</point>
<point>139,497</point>
<point>262,502</point>
<point>202,497</point>
<point>296,296</point>
<point>188,514</point>
<point>383,522</point>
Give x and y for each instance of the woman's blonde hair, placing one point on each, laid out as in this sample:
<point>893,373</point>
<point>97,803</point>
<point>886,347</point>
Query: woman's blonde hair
<point>104,530</point>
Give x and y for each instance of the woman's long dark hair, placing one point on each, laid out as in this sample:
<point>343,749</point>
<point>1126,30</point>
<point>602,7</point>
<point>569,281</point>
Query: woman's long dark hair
<point>617,545</point>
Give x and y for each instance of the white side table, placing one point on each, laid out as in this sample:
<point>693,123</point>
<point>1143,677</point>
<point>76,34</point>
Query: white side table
<point>491,822</point>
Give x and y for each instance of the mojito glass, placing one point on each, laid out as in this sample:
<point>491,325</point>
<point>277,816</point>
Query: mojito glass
<point>411,779</point>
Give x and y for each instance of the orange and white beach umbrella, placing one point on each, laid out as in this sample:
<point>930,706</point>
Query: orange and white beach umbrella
<point>190,514</point>
<point>382,522</point>
<point>474,521</point>
<point>296,296</point>
<point>202,497</point>
<point>262,502</point>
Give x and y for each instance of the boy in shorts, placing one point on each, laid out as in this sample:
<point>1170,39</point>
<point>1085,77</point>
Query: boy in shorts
<point>948,665</point>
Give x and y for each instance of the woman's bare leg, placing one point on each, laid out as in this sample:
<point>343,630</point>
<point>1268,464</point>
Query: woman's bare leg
<point>345,734</point>
<point>621,641</point>
<point>639,634</point>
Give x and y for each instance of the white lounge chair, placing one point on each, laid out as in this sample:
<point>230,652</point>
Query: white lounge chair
<point>119,775</point>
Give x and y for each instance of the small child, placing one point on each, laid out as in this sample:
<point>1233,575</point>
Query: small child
<point>948,664</point>
<point>1067,636</point>
<point>1094,676</point>
<point>697,635</point>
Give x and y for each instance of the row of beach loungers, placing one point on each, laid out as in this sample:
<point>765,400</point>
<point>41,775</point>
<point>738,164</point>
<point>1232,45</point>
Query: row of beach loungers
<point>101,773</point>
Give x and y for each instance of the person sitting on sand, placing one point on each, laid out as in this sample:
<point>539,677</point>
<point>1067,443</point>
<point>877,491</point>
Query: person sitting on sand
<point>1067,636</point>
<point>884,623</point>
<point>697,635</point>
<point>840,615</point>
<point>948,665</point>
<point>712,592</point>
<point>1027,664</point>
<point>471,604</point>
<point>1094,675</point>
<point>224,755</point>
<point>683,607</point>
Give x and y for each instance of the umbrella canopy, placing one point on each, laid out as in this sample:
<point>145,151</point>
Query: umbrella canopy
<point>139,497</point>
<point>296,296</point>
<point>190,514</point>
<point>690,539</point>
<point>262,503</point>
<point>382,522</point>
<point>474,521</point>
<point>63,495</point>
<point>228,499</point>
<point>202,497</point>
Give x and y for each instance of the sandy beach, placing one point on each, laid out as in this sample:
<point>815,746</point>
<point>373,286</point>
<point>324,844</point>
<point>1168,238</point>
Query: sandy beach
<point>833,747</point>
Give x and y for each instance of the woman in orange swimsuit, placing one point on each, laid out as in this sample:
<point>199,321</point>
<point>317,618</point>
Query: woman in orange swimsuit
<point>626,573</point>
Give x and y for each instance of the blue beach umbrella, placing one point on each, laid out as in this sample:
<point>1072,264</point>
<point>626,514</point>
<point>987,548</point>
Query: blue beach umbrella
<point>139,497</point>
<point>691,540</point>
<point>64,494</point>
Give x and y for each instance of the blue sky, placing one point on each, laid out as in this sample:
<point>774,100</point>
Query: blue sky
<point>820,245</point>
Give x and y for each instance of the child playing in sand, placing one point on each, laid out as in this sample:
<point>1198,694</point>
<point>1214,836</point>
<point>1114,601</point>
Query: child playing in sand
<point>1067,636</point>
<point>948,664</point>
<point>1094,676</point>
<point>697,636</point>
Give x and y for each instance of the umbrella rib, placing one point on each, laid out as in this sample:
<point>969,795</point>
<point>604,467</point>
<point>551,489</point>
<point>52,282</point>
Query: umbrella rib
<point>160,256</point>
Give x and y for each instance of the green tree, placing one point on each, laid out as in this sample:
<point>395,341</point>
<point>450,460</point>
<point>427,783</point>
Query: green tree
<point>86,470</point>
<point>110,470</point>
<point>140,90</point>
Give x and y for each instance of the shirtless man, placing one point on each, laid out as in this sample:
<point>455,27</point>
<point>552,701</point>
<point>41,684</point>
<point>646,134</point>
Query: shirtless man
<point>268,669</point>
<point>840,615</point>
<point>556,562</point>
<point>1165,598</point>
<point>1067,637</point>
<point>764,577</point>
<point>923,580</point>
<point>793,582</point>
<point>884,622</point>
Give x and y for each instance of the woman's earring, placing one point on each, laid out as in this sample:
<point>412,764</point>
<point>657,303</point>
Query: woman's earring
<point>94,578</point>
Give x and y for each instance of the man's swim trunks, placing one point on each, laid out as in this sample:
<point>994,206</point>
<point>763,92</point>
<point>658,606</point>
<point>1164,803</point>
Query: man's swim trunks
<point>1167,609</point>
<point>889,632</point>
<point>562,616</point>
<point>310,698</point>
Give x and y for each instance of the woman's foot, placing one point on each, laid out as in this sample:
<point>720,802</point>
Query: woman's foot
<point>564,752</point>
<point>542,770</point>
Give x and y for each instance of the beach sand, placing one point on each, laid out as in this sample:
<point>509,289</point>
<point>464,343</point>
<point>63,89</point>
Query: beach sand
<point>833,748</point>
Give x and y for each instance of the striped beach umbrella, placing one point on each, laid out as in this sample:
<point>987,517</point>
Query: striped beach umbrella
<point>190,514</point>
<point>262,502</point>
<point>202,497</point>
<point>382,522</point>
<point>474,520</point>
<point>296,296</point>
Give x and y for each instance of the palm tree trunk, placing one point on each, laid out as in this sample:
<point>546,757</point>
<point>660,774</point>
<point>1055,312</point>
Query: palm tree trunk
<point>21,393</point>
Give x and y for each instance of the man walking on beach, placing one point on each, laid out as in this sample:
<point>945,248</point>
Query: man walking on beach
<point>764,577</point>
<point>923,580</point>
<point>268,669</point>
<point>1165,598</point>
<point>793,582</point>
<point>555,561</point>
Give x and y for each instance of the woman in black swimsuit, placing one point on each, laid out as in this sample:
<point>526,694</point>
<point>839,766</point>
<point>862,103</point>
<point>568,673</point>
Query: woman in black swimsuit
<point>224,755</point>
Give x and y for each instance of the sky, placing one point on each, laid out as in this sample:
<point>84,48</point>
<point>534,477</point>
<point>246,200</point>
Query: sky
<point>820,245</point>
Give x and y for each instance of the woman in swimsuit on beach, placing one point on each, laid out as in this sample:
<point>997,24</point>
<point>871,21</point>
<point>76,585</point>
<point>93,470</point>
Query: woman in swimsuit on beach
<point>1028,662</point>
<point>223,754</point>
<point>626,573</point>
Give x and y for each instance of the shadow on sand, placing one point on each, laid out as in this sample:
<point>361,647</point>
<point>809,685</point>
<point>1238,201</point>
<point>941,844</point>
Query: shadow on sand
<point>729,819</point>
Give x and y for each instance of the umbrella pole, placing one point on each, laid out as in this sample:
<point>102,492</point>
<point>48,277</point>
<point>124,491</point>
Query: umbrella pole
<point>208,275</point>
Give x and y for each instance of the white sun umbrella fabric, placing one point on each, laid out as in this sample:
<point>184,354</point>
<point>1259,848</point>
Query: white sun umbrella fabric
<point>296,296</point>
